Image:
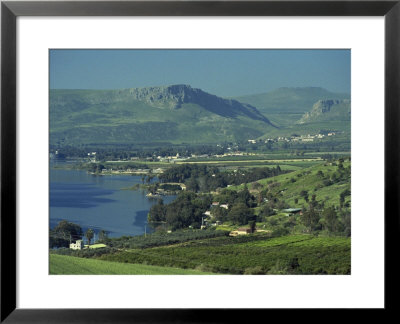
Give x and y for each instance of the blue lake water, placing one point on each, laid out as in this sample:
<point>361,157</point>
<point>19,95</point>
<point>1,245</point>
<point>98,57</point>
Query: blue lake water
<point>98,202</point>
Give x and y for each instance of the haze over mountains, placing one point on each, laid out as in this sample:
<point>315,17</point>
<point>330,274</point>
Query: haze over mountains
<point>182,114</point>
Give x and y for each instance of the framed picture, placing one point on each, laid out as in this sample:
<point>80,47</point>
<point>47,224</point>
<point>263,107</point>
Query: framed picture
<point>48,46</point>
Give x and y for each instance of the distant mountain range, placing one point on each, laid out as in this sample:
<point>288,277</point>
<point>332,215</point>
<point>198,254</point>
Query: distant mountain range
<point>182,114</point>
<point>176,114</point>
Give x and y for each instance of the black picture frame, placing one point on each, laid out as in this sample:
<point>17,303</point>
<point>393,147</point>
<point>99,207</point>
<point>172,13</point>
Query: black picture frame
<point>10,10</point>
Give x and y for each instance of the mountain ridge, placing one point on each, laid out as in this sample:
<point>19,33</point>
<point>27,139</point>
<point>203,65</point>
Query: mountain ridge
<point>296,99</point>
<point>174,112</point>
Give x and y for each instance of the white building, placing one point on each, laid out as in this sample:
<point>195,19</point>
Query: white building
<point>78,245</point>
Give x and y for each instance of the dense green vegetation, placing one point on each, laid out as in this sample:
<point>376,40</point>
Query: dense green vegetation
<point>322,194</point>
<point>203,178</point>
<point>162,238</point>
<point>255,254</point>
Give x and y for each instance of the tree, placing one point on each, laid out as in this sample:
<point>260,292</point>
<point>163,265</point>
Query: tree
<point>89,235</point>
<point>330,219</point>
<point>304,194</point>
<point>343,196</point>
<point>310,218</point>
<point>252,226</point>
<point>245,197</point>
<point>314,202</point>
<point>68,228</point>
<point>192,185</point>
<point>266,211</point>
<point>157,212</point>
<point>241,214</point>
<point>103,235</point>
<point>220,213</point>
<point>346,218</point>
<point>64,233</point>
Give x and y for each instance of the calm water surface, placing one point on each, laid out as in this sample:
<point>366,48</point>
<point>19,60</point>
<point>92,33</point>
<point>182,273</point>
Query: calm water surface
<point>98,202</point>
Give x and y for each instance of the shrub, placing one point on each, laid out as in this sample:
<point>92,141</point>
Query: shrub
<point>254,271</point>
<point>281,231</point>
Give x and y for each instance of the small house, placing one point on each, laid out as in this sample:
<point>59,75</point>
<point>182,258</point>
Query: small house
<point>292,211</point>
<point>78,245</point>
<point>243,231</point>
<point>240,231</point>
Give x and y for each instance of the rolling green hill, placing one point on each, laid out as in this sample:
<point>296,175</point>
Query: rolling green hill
<point>175,114</point>
<point>284,106</point>
<point>325,180</point>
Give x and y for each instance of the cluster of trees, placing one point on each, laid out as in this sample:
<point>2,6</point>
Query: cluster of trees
<point>342,174</point>
<point>66,232</point>
<point>330,219</point>
<point>240,206</point>
<point>95,167</point>
<point>186,210</point>
<point>202,178</point>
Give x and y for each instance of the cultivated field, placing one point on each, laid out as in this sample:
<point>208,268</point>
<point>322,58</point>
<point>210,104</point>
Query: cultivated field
<point>251,254</point>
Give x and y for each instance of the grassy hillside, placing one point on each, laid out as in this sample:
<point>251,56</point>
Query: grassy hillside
<point>325,180</point>
<point>62,264</point>
<point>118,116</point>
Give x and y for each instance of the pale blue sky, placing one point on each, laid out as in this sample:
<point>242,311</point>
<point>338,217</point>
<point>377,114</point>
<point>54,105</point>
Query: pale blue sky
<point>221,72</point>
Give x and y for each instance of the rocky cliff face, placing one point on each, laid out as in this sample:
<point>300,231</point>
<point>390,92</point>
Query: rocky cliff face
<point>162,97</point>
<point>175,96</point>
<point>332,109</point>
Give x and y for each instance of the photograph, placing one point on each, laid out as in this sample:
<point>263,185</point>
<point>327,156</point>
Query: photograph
<point>199,161</point>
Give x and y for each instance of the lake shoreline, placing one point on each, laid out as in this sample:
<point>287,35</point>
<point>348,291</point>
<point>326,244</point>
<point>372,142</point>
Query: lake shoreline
<point>98,202</point>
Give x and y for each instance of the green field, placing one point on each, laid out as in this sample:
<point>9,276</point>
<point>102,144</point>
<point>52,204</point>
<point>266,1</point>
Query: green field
<point>62,264</point>
<point>250,254</point>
